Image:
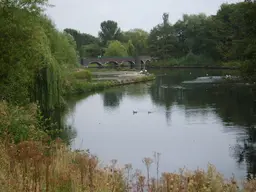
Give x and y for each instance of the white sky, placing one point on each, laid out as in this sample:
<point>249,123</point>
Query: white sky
<point>86,15</point>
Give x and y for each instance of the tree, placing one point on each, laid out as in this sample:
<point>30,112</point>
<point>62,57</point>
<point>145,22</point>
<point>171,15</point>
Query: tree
<point>194,35</point>
<point>162,40</point>
<point>109,32</point>
<point>116,48</point>
<point>229,37</point>
<point>138,38</point>
<point>34,57</point>
<point>35,6</point>
<point>91,50</point>
<point>82,40</point>
<point>236,30</point>
<point>130,48</point>
<point>165,19</point>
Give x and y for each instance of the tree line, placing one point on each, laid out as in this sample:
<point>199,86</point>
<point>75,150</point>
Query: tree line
<point>111,41</point>
<point>226,38</point>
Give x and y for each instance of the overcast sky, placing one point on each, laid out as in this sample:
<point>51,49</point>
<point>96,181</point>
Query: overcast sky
<point>86,15</point>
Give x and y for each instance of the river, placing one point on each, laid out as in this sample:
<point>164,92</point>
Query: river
<point>190,125</point>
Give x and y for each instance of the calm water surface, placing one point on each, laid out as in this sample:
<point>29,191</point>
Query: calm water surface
<point>190,126</point>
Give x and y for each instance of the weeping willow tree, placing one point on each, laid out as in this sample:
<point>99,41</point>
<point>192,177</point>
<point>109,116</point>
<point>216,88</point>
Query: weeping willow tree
<point>34,56</point>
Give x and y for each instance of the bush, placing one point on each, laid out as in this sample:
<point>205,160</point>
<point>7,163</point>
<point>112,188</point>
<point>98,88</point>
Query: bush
<point>83,74</point>
<point>19,123</point>
<point>232,64</point>
<point>189,60</point>
<point>248,70</point>
<point>195,60</point>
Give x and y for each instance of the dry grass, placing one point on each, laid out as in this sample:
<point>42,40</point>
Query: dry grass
<point>33,166</point>
<point>38,166</point>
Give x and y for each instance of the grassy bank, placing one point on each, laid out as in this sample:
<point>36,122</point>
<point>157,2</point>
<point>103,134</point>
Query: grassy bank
<point>81,82</point>
<point>93,69</point>
<point>195,61</point>
<point>188,60</point>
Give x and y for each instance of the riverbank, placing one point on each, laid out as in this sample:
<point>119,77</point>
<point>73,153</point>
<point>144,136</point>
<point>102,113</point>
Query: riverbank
<point>38,163</point>
<point>193,67</point>
<point>194,61</point>
<point>103,80</point>
<point>51,167</point>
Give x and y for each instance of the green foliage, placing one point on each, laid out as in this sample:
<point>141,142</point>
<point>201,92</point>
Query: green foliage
<point>83,75</point>
<point>85,87</point>
<point>195,60</point>
<point>236,37</point>
<point>19,123</point>
<point>229,37</point>
<point>188,60</point>
<point>109,32</point>
<point>80,86</point>
<point>35,6</point>
<point>130,48</point>
<point>162,40</point>
<point>248,70</point>
<point>34,58</point>
<point>91,50</point>
<point>232,64</point>
<point>116,48</point>
<point>138,38</point>
<point>86,44</point>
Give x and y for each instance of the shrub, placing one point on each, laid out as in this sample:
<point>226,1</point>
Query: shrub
<point>188,60</point>
<point>19,123</point>
<point>232,64</point>
<point>248,70</point>
<point>83,74</point>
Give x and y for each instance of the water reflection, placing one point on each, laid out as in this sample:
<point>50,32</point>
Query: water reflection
<point>190,124</point>
<point>112,98</point>
<point>234,103</point>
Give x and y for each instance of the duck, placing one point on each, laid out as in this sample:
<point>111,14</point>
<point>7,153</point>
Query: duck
<point>134,112</point>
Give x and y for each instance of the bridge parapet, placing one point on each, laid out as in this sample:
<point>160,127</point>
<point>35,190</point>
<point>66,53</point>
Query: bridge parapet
<point>139,61</point>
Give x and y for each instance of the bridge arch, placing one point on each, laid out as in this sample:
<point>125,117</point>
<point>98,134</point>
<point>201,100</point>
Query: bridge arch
<point>131,64</point>
<point>95,62</point>
<point>134,62</point>
<point>147,62</point>
<point>114,63</point>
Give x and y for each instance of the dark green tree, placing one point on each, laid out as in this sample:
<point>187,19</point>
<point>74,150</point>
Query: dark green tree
<point>84,40</point>
<point>109,32</point>
<point>162,40</point>
<point>91,50</point>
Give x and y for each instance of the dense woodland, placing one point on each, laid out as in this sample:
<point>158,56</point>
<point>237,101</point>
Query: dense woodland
<point>227,38</point>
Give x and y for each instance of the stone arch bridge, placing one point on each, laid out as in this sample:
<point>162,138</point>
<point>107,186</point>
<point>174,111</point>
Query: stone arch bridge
<point>139,62</point>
